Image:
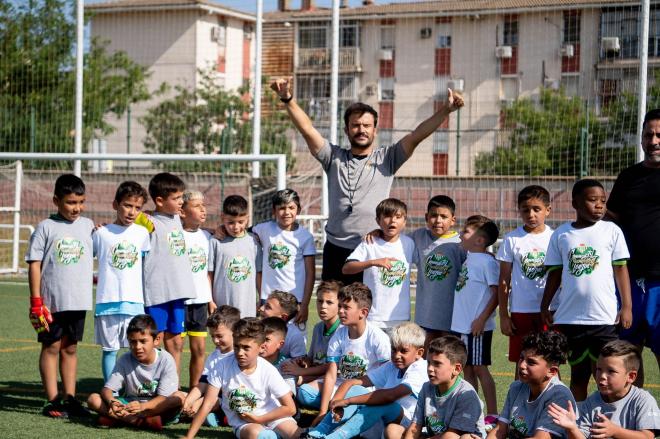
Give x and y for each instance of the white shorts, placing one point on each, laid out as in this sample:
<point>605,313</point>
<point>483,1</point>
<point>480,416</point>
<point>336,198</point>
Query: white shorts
<point>110,331</point>
<point>271,425</point>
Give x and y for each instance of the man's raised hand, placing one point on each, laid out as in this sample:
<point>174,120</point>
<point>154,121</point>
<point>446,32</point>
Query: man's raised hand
<point>283,87</point>
<point>454,100</point>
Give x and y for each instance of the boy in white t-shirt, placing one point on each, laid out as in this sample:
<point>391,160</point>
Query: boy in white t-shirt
<point>585,257</point>
<point>255,398</point>
<point>386,265</point>
<point>285,306</point>
<point>522,270</point>
<point>474,306</point>
<point>193,215</point>
<point>397,384</point>
<point>220,325</point>
<point>288,252</point>
<point>356,348</point>
<point>119,248</point>
<point>618,409</point>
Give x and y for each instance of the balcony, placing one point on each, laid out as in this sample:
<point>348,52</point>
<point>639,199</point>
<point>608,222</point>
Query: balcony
<point>320,59</point>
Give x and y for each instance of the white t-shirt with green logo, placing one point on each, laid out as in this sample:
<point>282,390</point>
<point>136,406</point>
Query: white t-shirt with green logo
<point>119,250</point>
<point>526,252</point>
<point>479,272</point>
<point>256,393</point>
<point>587,295</point>
<point>65,251</point>
<point>356,356</point>
<point>197,249</point>
<point>283,258</point>
<point>390,288</point>
<point>235,263</point>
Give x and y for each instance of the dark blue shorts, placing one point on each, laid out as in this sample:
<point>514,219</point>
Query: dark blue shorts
<point>169,316</point>
<point>645,329</point>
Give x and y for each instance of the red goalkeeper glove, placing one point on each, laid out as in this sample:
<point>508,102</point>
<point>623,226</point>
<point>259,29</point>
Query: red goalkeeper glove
<point>40,315</point>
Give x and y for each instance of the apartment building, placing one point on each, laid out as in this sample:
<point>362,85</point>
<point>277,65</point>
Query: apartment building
<point>400,58</point>
<point>173,39</point>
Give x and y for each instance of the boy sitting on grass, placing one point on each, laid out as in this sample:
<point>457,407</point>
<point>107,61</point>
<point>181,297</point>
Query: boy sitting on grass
<point>149,380</point>
<point>618,409</point>
<point>397,384</point>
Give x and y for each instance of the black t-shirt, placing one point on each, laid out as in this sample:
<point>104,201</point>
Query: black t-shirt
<point>635,198</point>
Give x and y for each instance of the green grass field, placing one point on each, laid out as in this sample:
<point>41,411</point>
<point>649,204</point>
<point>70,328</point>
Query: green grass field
<point>21,395</point>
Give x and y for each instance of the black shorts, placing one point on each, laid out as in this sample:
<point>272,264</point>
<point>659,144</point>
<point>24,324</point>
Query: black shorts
<point>586,341</point>
<point>334,258</point>
<point>478,348</point>
<point>196,316</point>
<point>70,324</point>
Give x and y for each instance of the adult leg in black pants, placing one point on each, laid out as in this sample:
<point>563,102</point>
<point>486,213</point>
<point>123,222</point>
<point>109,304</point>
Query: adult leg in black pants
<point>334,258</point>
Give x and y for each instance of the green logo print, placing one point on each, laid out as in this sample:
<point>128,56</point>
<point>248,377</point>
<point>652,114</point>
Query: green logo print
<point>393,276</point>
<point>123,255</point>
<point>238,269</point>
<point>242,400</point>
<point>176,243</point>
<point>518,428</point>
<point>352,366</point>
<point>148,389</point>
<point>435,424</point>
<point>462,278</point>
<point>197,257</point>
<point>437,267</point>
<point>582,260</point>
<point>68,251</point>
<point>319,358</point>
<point>278,255</point>
<point>532,264</point>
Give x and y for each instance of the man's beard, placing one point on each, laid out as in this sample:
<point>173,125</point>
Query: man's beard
<point>356,145</point>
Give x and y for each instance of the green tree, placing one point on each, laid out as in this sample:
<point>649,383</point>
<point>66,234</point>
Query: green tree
<point>211,120</point>
<point>555,135</point>
<point>37,79</point>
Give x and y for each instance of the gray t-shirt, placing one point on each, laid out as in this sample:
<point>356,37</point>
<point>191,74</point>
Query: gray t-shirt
<point>437,273</point>
<point>638,410</point>
<point>458,408</point>
<point>524,417</point>
<point>235,263</point>
<point>167,274</point>
<point>65,250</point>
<point>144,381</point>
<point>355,187</point>
<point>318,348</point>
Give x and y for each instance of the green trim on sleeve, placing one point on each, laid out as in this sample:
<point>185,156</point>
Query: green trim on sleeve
<point>620,262</point>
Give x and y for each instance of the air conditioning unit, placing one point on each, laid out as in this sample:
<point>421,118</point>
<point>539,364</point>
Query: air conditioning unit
<point>425,33</point>
<point>503,52</point>
<point>567,50</point>
<point>386,55</point>
<point>218,34</point>
<point>610,44</point>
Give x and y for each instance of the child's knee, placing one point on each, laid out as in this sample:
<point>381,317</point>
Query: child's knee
<point>94,402</point>
<point>267,434</point>
<point>178,398</point>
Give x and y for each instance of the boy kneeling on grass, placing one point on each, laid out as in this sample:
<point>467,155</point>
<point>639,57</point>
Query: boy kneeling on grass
<point>148,377</point>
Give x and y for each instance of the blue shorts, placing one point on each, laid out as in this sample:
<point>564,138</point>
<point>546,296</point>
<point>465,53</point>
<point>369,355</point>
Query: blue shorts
<point>645,329</point>
<point>169,316</point>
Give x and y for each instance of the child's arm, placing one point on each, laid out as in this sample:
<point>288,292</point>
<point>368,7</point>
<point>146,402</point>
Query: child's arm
<point>210,398</point>
<point>326,391</point>
<point>377,397</point>
<point>414,431</point>
<point>287,408</point>
<point>504,289</point>
<point>115,407</point>
<point>310,277</point>
<point>257,278</point>
<point>40,316</point>
<point>500,431</point>
<point>480,322</point>
<point>194,395</point>
<point>293,367</point>
<point>622,279</point>
<point>551,287</point>
<point>355,267</point>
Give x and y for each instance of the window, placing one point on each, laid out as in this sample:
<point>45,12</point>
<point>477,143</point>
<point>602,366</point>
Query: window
<point>387,37</point>
<point>312,37</point>
<point>386,89</point>
<point>510,30</point>
<point>443,41</point>
<point>440,141</point>
<point>622,23</point>
<point>349,36</point>
<point>509,89</point>
<point>571,34</point>
<point>654,33</point>
<point>571,84</point>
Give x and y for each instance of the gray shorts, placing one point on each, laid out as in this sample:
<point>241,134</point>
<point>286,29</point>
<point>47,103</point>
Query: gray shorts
<point>110,331</point>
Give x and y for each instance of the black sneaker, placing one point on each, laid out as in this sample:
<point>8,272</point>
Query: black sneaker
<point>74,407</point>
<point>54,409</point>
